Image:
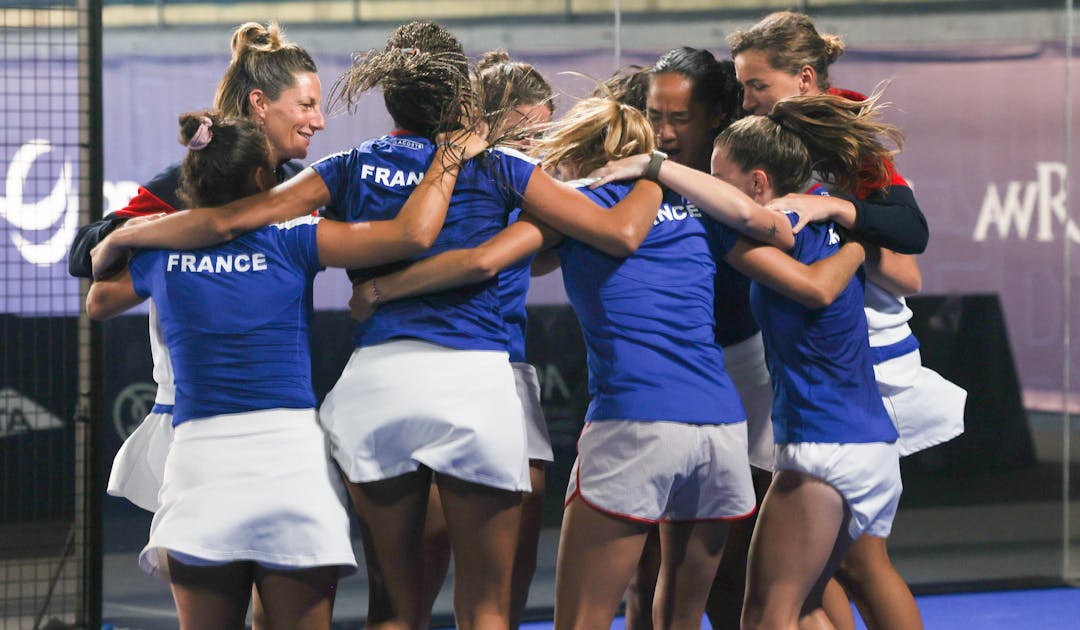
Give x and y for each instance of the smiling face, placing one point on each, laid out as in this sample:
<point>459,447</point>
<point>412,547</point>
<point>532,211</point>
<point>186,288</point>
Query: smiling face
<point>682,125</point>
<point>764,85</point>
<point>292,119</point>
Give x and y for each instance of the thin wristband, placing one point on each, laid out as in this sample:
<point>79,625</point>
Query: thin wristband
<point>652,173</point>
<point>375,292</point>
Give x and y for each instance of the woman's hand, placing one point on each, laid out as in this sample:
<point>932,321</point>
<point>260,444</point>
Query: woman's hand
<point>462,145</point>
<point>631,167</point>
<point>107,258</point>
<point>815,209</point>
<point>364,301</point>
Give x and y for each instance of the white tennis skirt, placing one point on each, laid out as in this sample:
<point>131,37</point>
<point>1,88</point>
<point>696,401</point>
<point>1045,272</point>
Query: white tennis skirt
<point>139,466</point>
<point>867,476</point>
<point>926,409</point>
<point>406,403</point>
<point>649,471</point>
<point>255,486</point>
<point>745,364</point>
<point>537,439</point>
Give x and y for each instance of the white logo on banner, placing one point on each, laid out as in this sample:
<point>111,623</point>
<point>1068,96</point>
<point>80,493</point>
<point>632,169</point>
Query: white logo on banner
<point>58,207</point>
<point>19,414</point>
<point>1042,201</point>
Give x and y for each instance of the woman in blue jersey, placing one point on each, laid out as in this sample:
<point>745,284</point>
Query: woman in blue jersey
<point>837,461</point>
<point>250,497</point>
<point>429,389</point>
<point>662,405</point>
<point>518,102</point>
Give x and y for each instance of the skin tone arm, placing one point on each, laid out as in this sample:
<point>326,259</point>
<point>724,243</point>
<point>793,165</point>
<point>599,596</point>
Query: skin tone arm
<point>454,268</point>
<point>897,273</point>
<point>617,232</point>
<point>719,199</point>
<point>409,233</point>
<point>813,286</point>
<point>112,296</point>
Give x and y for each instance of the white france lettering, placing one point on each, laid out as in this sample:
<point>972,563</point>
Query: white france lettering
<point>664,214</point>
<point>382,176</point>
<point>679,212</point>
<point>242,263</point>
<point>693,210</point>
<point>366,170</point>
<point>398,179</point>
<point>187,263</point>
<point>224,264</point>
<point>258,262</point>
<point>205,264</point>
<point>414,178</point>
<point>174,260</point>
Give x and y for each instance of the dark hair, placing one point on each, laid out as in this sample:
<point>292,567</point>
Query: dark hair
<point>715,85</point>
<point>839,139</point>
<point>424,76</point>
<point>223,169</point>
<point>790,41</point>
<point>629,86</point>
<point>262,59</point>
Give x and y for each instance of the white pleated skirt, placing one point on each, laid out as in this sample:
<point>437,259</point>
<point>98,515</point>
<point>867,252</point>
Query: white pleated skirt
<point>406,403</point>
<point>256,486</point>
<point>139,466</point>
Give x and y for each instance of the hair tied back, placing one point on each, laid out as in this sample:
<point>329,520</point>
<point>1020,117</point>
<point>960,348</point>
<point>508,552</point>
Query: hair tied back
<point>202,135</point>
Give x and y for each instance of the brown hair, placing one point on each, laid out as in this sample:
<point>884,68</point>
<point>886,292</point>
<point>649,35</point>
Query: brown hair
<point>502,85</point>
<point>223,170</point>
<point>839,139</point>
<point>629,85</point>
<point>595,131</point>
<point>790,41</point>
<point>424,76</point>
<point>262,59</point>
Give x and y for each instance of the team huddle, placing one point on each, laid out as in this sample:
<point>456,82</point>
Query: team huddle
<point>733,238</point>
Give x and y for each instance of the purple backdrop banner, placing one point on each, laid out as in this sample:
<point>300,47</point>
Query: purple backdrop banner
<point>986,152</point>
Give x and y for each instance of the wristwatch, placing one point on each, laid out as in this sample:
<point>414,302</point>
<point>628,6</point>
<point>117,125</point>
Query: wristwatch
<point>653,171</point>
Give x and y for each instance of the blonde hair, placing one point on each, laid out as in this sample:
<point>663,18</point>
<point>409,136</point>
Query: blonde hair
<point>262,59</point>
<point>790,41</point>
<point>595,131</point>
<point>841,140</point>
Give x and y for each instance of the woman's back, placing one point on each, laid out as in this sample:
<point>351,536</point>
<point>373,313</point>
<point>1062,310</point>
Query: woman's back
<point>648,320</point>
<point>236,319</point>
<point>372,182</point>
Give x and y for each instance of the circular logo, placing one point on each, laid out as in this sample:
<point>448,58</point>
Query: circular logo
<point>132,404</point>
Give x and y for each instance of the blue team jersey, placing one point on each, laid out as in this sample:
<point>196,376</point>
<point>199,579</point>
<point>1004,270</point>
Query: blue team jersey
<point>648,319</point>
<point>820,363</point>
<point>734,320</point>
<point>513,289</point>
<point>236,319</point>
<point>373,181</point>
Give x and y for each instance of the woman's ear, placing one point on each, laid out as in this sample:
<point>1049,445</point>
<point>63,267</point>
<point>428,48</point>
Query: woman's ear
<point>761,186</point>
<point>262,178</point>
<point>807,77</point>
<point>258,103</point>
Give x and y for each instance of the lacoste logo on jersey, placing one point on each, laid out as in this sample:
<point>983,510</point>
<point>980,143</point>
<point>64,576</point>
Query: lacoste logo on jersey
<point>407,143</point>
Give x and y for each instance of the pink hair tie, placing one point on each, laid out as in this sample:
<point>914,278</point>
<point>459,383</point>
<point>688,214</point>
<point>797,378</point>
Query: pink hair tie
<point>202,135</point>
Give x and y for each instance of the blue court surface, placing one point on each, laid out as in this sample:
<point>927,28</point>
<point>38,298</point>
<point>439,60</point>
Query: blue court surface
<point>1044,609</point>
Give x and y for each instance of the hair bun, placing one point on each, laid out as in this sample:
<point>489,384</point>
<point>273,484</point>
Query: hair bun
<point>252,36</point>
<point>492,58</point>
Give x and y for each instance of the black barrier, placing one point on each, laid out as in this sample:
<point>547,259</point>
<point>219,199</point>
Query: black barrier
<point>964,338</point>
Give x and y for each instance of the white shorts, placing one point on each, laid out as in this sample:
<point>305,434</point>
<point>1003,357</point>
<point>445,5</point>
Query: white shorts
<point>663,471</point>
<point>406,403</point>
<point>926,409</point>
<point>537,440</point>
<point>255,486</point>
<point>745,364</point>
<point>139,465</point>
<point>867,476</point>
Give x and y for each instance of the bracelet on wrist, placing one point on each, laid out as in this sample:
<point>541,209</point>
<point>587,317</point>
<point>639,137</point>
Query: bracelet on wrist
<point>375,294</point>
<point>652,172</point>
